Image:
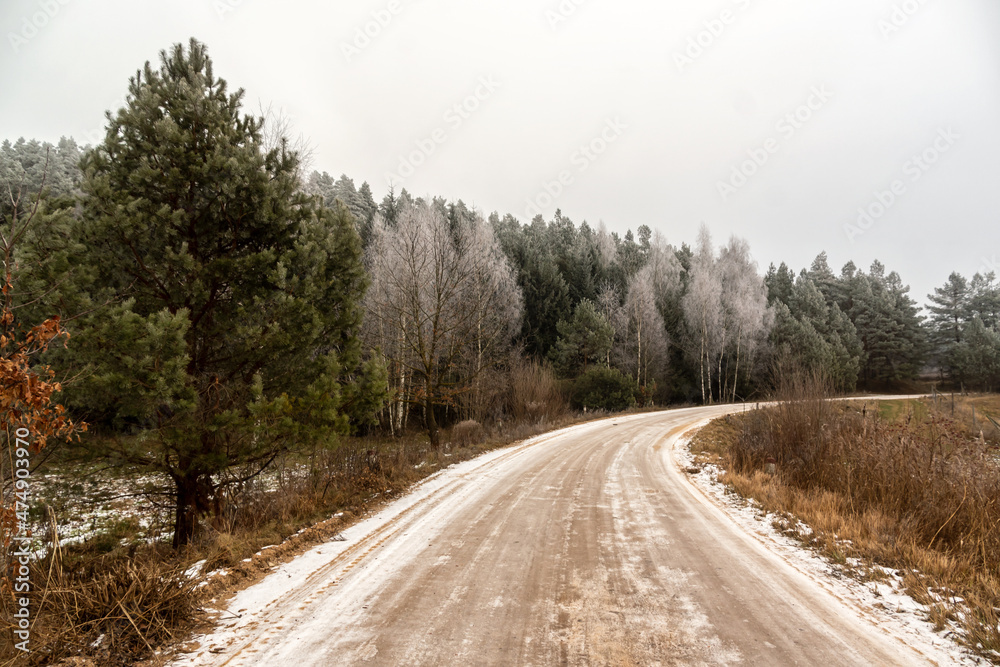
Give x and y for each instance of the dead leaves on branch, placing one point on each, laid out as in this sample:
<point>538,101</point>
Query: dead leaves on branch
<point>25,392</point>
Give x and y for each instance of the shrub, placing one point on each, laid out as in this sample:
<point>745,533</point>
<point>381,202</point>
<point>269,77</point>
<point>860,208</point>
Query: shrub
<point>601,388</point>
<point>468,432</point>
<point>115,609</point>
<point>534,393</point>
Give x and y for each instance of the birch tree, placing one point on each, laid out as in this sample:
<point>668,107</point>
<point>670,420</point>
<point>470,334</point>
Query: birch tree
<point>702,307</point>
<point>444,307</point>
<point>647,334</point>
<point>745,317</point>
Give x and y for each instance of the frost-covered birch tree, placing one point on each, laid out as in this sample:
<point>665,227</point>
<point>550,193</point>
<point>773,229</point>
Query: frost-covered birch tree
<point>647,334</point>
<point>745,317</point>
<point>443,307</point>
<point>702,307</point>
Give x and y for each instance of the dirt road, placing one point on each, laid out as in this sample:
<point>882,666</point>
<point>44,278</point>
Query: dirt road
<point>583,547</point>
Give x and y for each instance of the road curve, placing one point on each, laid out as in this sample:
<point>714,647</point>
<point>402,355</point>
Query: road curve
<point>587,546</point>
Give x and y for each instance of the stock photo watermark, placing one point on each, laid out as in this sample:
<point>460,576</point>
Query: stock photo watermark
<point>900,15</point>
<point>224,7</point>
<point>786,127</point>
<point>582,158</point>
<point>97,135</point>
<point>366,34</point>
<point>34,23</point>
<point>913,170</point>
<point>991,265</point>
<point>454,118</point>
<point>562,12</point>
<point>21,558</point>
<point>703,40</point>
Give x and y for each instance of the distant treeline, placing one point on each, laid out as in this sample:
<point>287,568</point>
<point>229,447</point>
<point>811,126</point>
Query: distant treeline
<point>702,323</point>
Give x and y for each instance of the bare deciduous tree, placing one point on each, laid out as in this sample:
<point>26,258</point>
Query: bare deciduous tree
<point>647,334</point>
<point>609,303</point>
<point>443,308</point>
<point>703,308</point>
<point>746,317</point>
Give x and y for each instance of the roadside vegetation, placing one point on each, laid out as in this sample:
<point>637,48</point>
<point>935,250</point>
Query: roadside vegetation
<point>913,486</point>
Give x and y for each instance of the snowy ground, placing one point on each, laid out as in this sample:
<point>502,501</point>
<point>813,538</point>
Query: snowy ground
<point>89,502</point>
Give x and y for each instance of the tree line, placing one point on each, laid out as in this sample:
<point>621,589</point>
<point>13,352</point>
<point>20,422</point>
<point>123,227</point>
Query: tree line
<point>225,307</point>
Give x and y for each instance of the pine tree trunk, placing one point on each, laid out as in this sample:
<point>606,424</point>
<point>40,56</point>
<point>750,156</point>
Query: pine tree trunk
<point>188,489</point>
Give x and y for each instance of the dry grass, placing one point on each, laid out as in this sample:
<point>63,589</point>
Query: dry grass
<point>904,484</point>
<point>468,432</point>
<point>535,394</point>
<point>114,610</point>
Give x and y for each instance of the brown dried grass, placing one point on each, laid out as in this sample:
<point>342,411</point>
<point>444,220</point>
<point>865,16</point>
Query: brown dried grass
<point>917,492</point>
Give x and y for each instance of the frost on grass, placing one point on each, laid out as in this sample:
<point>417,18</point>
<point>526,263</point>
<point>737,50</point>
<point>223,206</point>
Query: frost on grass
<point>117,507</point>
<point>878,593</point>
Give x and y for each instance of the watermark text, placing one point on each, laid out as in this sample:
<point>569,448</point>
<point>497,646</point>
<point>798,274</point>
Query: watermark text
<point>454,118</point>
<point>582,159</point>
<point>21,558</point>
<point>913,170</point>
<point>33,24</point>
<point>786,127</point>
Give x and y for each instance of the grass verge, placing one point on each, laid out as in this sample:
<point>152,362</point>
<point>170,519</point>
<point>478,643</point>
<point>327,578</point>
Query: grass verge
<point>913,486</point>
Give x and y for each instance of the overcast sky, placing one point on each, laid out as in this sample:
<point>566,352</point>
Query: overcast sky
<point>770,119</point>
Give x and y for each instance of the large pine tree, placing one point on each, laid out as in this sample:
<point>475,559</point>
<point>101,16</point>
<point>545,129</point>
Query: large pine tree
<point>888,325</point>
<point>949,310</point>
<point>234,331</point>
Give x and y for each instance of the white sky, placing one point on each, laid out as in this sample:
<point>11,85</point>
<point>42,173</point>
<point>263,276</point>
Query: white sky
<point>681,129</point>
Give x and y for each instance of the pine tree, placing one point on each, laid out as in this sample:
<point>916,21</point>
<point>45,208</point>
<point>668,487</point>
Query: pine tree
<point>780,282</point>
<point>888,325</point>
<point>818,336</point>
<point>546,294</point>
<point>950,309</point>
<point>984,299</point>
<point>41,180</point>
<point>234,334</point>
<point>977,359</point>
<point>583,340</point>
<point>950,313</point>
<point>26,165</point>
<point>820,273</point>
<point>366,223</point>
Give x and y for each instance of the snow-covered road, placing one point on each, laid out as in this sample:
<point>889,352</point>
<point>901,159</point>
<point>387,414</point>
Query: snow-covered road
<point>584,546</point>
